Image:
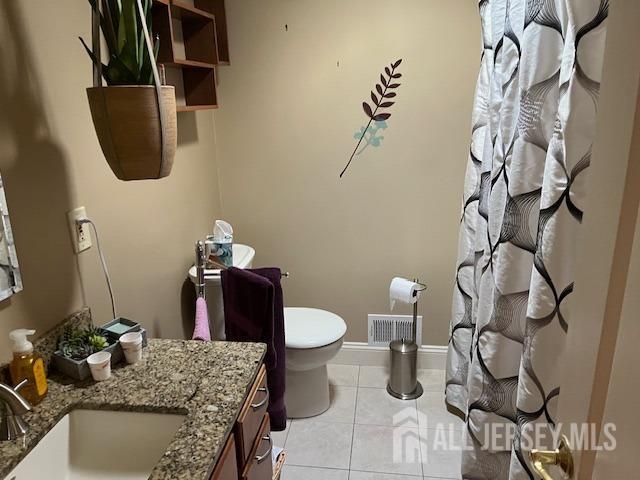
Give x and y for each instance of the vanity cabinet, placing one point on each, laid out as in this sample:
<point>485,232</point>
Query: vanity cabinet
<point>247,451</point>
<point>227,467</point>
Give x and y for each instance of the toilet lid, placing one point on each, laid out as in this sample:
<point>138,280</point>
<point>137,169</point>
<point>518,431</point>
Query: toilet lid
<point>312,327</point>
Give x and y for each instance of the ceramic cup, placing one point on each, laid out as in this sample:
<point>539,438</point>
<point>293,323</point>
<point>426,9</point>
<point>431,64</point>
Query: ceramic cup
<point>131,344</point>
<point>100,365</point>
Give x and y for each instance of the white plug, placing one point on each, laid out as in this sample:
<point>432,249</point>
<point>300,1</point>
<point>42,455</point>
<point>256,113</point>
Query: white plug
<point>80,234</point>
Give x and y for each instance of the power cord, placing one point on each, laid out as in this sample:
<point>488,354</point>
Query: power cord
<point>102,260</point>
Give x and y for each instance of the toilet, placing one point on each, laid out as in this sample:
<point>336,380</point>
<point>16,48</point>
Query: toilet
<point>313,337</point>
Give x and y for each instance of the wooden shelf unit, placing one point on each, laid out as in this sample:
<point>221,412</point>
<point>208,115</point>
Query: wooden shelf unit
<point>193,43</point>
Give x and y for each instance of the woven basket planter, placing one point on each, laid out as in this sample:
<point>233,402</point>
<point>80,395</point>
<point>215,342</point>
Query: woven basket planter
<point>127,123</point>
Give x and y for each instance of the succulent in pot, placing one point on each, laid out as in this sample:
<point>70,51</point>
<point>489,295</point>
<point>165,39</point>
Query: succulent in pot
<point>79,343</point>
<point>134,115</point>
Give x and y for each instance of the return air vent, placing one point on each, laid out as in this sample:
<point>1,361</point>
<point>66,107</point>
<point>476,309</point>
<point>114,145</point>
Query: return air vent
<point>386,328</point>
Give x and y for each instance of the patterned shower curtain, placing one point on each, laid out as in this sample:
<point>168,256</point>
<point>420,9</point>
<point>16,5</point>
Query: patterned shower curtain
<point>533,127</point>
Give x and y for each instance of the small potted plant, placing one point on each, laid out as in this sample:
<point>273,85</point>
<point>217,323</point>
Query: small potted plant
<point>134,115</point>
<point>76,344</point>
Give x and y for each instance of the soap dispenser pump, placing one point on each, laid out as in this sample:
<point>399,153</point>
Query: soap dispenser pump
<point>27,366</point>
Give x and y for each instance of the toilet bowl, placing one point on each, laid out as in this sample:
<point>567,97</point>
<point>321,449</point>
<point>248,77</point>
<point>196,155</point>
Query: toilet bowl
<point>312,337</point>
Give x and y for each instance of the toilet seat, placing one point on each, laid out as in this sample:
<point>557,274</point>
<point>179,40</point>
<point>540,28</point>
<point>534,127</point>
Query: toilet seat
<point>311,327</point>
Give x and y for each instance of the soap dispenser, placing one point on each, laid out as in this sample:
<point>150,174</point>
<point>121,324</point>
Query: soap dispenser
<point>27,365</point>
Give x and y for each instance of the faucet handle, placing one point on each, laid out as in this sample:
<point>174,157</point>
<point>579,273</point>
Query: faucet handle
<point>12,406</point>
<point>14,401</point>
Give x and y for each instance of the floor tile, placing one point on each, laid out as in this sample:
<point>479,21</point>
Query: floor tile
<point>441,453</point>
<point>379,476</point>
<point>290,472</point>
<point>319,444</point>
<point>431,380</point>
<point>376,377</point>
<point>432,412</point>
<point>343,375</point>
<point>376,407</point>
<point>280,438</point>
<point>342,409</point>
<point>386,450</point>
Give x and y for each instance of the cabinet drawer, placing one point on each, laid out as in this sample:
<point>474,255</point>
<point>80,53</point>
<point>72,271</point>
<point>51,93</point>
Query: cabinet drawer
<point>227,466</point>
<point>260,466</point>
<point>251,417</point>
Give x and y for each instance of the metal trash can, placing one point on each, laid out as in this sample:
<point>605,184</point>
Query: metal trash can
<point>403,381</point>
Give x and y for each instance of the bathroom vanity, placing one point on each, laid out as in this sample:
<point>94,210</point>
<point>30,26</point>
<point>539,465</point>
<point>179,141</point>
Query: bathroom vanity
<point>187,410</point>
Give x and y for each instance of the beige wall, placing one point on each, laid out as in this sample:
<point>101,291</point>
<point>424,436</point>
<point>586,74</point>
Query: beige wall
<point>50,162</point>
<point>285,131</point>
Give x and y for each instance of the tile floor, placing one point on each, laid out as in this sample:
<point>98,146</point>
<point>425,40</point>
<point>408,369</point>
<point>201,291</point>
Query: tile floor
<point>355,438</point>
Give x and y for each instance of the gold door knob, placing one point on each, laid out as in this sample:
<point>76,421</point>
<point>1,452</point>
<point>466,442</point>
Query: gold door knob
<point>561,457</point>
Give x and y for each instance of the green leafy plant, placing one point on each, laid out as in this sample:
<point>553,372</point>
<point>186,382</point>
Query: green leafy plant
<point>79,343</point>
<point>129,62</point>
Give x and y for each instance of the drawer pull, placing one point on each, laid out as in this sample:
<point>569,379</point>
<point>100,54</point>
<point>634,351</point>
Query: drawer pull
<point>262,402</point>
<point>265,455</point>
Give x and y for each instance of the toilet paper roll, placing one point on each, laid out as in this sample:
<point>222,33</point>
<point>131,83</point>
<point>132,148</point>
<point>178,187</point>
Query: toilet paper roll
<point>403,290</point>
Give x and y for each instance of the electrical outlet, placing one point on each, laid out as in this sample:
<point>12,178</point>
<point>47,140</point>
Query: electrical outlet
<point>80,235</point>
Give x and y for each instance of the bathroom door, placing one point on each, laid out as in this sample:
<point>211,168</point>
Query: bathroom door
<point>601,378</point>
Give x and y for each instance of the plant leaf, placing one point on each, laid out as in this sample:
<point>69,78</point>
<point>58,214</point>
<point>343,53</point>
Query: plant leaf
<point>106,24</point>
<point>396,75</point>
<point>382,80</point>
<point>122,36</point>
<point>379,88</point>
<point>367,109</point>
<point>374,99</point>
<point>381,116</point>
<point>390,95</point>
<point>386,104</point>
<point>119,73</point>
<point>387,71</point>
<point>397,63</point>
<point>394,85</point>
<point>105,68</point>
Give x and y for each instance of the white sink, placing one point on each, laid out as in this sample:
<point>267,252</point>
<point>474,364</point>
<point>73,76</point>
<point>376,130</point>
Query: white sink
<point>93,444</point>
<point>243,256</point>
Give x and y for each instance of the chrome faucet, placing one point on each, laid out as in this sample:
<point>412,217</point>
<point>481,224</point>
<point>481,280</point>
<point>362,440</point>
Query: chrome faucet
<point>12,407</point>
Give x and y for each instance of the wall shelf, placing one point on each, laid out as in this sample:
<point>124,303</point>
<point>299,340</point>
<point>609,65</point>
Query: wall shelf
<point>193,42</point>
<point>177,63</point>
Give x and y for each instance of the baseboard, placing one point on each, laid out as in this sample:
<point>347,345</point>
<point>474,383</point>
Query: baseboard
<point>360,353</point>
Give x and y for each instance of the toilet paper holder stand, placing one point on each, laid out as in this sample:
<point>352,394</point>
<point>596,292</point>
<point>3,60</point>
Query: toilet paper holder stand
<point>403,381</point>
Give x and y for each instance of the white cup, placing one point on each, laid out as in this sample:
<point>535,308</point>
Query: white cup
<point>131,344</point>
<point>100,365</point>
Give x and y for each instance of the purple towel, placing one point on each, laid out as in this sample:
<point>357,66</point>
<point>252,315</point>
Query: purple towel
<point>253,312</point>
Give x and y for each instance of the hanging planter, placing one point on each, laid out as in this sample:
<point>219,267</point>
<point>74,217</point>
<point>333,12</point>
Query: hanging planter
<point>134,115</point>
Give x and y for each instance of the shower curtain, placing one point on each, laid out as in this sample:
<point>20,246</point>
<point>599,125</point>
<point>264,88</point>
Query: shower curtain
<point>533,127</point>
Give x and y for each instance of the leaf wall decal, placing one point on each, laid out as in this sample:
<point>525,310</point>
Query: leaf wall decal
<point>375,115</point>
<point>367,109</point>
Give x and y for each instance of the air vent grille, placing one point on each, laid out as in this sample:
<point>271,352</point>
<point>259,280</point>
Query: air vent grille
<point>386,328</point>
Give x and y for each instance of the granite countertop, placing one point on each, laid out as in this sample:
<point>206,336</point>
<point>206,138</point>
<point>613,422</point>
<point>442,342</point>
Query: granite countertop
<point>207,381</point>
